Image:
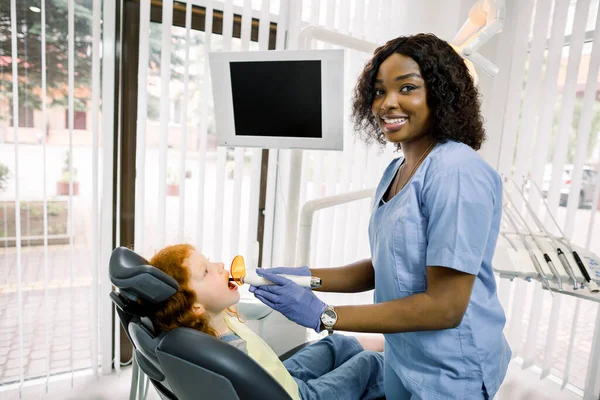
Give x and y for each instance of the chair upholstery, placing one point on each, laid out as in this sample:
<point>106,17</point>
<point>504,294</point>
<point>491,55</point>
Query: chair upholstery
<point>145,351</point>
<point>232,372</point>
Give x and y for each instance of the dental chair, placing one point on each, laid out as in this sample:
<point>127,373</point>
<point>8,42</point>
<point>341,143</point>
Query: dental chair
<point>184,363</point>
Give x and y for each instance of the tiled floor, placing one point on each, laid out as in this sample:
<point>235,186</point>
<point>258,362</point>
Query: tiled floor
<point>56,327</point>
<point>582,346</point>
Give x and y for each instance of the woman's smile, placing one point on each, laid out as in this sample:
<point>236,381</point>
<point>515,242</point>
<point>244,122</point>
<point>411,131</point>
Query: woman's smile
<point>393,123</point>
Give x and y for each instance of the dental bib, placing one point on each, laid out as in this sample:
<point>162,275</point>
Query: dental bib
<point>260,352</point>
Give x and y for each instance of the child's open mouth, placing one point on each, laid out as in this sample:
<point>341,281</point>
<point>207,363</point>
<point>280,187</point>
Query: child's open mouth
<point>232,285</point>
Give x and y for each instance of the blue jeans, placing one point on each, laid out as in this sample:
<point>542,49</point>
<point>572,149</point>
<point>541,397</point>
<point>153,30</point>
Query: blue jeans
<point>337,367</point>
<point>396,389</point>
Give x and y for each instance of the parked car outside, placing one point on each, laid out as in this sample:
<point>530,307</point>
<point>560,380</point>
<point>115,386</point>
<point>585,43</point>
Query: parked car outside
<point>586,191</point>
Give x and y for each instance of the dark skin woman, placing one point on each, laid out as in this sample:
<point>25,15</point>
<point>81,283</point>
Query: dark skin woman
<point>433,232</point>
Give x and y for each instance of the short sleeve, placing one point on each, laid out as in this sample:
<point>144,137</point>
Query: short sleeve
<point>235,341</point>
<point>459,206</point>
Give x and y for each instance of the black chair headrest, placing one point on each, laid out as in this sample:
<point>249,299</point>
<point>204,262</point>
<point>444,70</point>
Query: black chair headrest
<point>135,278</point>
<point>129,307</point>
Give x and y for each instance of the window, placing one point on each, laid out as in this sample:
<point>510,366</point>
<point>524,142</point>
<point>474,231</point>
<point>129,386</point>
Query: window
<point>25,116</point>
<point>79,119</point>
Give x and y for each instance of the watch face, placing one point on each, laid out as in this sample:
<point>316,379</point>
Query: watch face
<point>328,317</point>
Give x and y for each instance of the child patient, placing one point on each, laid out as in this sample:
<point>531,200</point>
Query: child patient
<point>336,367</point>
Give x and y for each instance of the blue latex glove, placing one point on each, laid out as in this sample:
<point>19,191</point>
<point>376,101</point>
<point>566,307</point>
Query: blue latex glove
<point>293,301</point>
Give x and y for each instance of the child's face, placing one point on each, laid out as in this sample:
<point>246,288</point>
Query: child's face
<point>210,281</point>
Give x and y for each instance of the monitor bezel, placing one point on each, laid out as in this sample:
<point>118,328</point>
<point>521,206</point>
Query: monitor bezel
<point>332,94</point>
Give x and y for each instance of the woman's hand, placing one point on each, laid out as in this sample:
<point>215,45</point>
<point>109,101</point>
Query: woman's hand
<point>293,301</point>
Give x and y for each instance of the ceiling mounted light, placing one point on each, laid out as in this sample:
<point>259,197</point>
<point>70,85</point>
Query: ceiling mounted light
<point>486,19</point>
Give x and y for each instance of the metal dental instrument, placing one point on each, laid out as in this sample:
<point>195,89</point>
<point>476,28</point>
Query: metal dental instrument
<point>556,243</point>
<point>534,259</point>
<point>567,267</point>
<point>537,242</point>
<point>541,248</point>
<point>509,240</point>
<point>514,247</point>
<point>592,285</point>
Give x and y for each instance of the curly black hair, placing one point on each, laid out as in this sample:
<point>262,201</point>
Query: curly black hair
<point>452,96</point>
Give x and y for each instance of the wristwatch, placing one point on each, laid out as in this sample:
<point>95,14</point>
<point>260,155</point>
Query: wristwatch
<point>329,318</point>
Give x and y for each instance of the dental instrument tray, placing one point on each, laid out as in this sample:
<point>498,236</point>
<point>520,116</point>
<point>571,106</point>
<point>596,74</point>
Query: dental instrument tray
<point>510,262</point>
<point>527,249</point>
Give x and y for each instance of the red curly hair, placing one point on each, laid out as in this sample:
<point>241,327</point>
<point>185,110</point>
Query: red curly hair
<point>178,310</point>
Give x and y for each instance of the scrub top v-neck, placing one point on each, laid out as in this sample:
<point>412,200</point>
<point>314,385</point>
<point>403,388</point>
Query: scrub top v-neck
<point>448,215</point>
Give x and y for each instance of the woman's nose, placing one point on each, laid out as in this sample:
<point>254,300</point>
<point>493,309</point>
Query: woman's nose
<point>390,102</point>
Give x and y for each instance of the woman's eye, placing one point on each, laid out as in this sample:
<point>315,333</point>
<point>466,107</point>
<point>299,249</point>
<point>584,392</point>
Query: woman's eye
<point>408,88</point>
<point>379,92</point>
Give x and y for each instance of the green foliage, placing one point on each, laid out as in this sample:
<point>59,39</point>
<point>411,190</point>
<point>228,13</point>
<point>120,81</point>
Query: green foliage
<point>67,162</point>
<point>35,212</point>
<point>153,107</point>
<point>29,53</point>
<point>4,177</point>
<point>55,208</point>
<point>594,130</point>
<point>172,177</point>
<point>66,173</point>
<point>32,218</point>
<point>572,144</point>
<point>177,61</point>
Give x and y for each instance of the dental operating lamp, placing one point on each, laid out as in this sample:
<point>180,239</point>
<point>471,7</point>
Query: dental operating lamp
<point>486,19</point>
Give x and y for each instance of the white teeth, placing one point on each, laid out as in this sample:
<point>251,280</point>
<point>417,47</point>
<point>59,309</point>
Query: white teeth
<point>394,120</point>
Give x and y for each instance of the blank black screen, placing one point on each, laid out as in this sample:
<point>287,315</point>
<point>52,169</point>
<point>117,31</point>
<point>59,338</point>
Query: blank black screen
<point>277,98</point>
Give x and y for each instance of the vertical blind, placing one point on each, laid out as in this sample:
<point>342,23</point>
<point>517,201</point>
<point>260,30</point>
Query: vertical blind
<point>51,241</point>
<point>547,132</point>
<point>543,111</point>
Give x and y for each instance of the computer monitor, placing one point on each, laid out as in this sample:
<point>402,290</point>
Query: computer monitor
<point>279,99</point>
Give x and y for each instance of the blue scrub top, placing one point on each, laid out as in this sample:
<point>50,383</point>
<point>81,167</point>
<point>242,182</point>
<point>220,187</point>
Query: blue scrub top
<point>447,215</point>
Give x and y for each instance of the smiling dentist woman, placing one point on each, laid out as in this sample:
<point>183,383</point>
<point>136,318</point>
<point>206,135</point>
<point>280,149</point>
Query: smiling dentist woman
<point>432,232</point>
